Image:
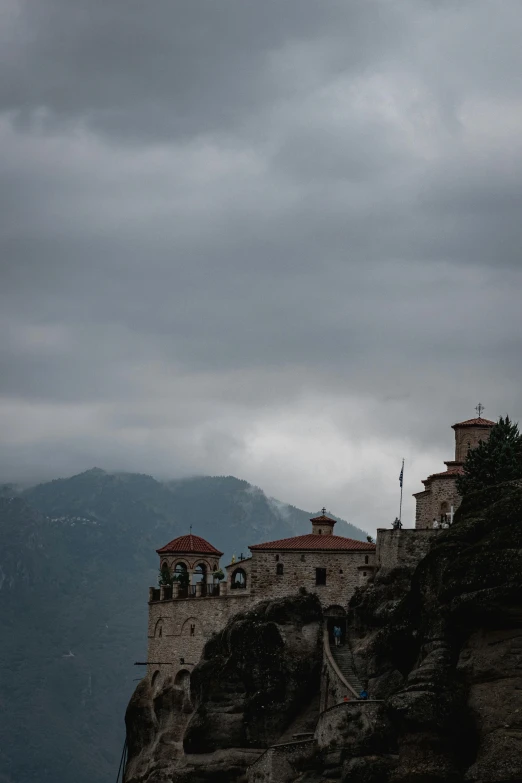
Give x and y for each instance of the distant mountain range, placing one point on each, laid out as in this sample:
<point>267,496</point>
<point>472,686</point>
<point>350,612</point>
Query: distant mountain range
<point>76,558</point>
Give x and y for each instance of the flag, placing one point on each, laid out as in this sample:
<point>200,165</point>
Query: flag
<point>401,475</point>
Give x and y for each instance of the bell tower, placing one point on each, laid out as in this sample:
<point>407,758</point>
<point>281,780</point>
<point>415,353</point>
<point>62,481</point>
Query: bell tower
<point>322,525</point>
<point>468,434</point>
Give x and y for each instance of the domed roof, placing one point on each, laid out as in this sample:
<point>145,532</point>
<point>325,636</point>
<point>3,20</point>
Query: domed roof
<point>189,545</point>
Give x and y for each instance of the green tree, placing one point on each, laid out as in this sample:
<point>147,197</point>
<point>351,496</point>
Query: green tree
<point>495,460</point>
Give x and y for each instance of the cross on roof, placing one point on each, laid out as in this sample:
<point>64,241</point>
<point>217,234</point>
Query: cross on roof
<point>479,408</point>
<point>323,510</point>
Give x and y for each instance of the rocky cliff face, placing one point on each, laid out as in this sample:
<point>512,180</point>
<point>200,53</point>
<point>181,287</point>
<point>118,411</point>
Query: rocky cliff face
<point>439,645</point>
<point>255,677</point>
<point>443,648</point>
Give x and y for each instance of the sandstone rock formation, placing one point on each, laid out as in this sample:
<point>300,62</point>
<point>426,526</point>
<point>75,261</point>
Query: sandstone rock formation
<point>256,676</point>
<point>439,645</point>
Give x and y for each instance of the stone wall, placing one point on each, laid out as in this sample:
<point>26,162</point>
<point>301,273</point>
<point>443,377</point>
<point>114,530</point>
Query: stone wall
<point>402,547</point>
<point>179,628</point>
<point>299,570</point>
<point>469,437</point>
<point>440,490</point>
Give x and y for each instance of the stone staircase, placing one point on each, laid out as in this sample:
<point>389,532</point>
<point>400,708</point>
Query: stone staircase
<point>342,656</point>
<point>303,726</point>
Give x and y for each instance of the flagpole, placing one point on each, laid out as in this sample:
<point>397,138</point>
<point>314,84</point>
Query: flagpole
<point>402,481</point>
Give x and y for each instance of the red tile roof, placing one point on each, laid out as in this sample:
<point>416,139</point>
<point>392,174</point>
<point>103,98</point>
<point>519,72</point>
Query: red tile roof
<point>188,544</point>
<point>312,541</point>
<point>474,423</point>
<point>450,473</point>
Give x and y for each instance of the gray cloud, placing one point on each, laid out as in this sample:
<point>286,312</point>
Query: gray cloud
<point>274,239</point>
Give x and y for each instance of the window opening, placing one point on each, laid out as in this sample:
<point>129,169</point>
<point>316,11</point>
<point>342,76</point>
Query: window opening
<point>279,569</point>
<point>320,576</point>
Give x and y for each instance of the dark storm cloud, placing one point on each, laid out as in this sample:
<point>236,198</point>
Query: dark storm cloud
<point>232,231</point>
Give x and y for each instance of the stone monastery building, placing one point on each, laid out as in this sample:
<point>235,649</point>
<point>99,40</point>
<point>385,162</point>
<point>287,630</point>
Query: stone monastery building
<point>183,615</point>
<point>330,565</point>
<point>439,498</point>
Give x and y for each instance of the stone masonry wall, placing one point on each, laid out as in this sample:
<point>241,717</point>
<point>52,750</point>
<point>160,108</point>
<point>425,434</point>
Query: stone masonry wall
<point>186,624</point>
<point>299,570</point>
<point>404,547</point>
<point>429,503</point>
<point>469,437</point>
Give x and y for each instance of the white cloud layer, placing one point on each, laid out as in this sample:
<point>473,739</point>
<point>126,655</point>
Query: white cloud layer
<point>275,240</point>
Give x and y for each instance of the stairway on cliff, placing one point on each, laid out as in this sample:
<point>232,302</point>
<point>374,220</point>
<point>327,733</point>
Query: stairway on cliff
<point>343,657</point>
<point>304,725</point>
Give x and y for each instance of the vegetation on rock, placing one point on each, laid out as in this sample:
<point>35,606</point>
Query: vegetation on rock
<point>495,460</point>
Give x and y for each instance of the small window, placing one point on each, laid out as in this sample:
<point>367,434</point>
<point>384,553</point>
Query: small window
<point>277,558</point>
<point>320,576</point>
<point>364,573</point>
<point>302,558</point>
<point>340,570</point>
<point>320,532</point>
<point>366,559</point>
<point>160,632</point>
<point>279,569</point>
<point>192,629</point>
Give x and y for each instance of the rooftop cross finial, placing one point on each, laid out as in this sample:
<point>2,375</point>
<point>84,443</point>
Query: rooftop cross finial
<point>323,511</point>
<point>190,530</point>
<point>479,409</point>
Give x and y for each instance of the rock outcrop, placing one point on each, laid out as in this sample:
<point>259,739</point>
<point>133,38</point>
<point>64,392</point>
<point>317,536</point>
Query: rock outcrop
<point>443,648</point>
<point>255,678</point>
<point>439,645</point>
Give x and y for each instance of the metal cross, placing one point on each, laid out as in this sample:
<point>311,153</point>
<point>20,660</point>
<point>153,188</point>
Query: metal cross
<point>323,510</point>
<point>479,409</point>
<point>190,530</point>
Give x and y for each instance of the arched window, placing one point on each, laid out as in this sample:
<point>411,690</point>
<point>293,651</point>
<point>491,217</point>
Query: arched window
<point>239,579</point>
<point>182,680</point>
<point>182,577</point>
<point>279,569</point>
<point>366,560</point>
<point>200,573</point>
<point>191,627</point>
<point>320,532</point>
<point>158,630</point>
<point>155,678</point>
<point>444,511</point>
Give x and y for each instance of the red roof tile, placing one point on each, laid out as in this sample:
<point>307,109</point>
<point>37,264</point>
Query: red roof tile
<point>312,541</point>
<point>187,544</point>
<point>450,473</point>
<point>474,423</point>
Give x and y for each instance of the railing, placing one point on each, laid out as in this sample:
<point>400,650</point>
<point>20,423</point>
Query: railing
<point>168,592</point>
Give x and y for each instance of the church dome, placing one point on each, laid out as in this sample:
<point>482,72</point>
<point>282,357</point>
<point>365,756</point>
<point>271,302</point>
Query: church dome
<point>189,545</point>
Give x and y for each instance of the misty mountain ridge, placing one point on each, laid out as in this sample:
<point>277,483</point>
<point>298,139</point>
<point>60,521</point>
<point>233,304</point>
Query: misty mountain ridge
<point>77,556</point>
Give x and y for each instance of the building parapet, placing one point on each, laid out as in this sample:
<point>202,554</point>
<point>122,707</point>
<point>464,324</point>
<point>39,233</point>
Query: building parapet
<point>177,592</point>
<point>404,547</point>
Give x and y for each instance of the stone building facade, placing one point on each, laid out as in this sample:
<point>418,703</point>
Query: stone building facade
<point>183,615</point>
<point>440,498</point>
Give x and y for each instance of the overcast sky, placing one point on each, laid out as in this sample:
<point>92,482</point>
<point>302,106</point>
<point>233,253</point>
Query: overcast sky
<point>278,239</point>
